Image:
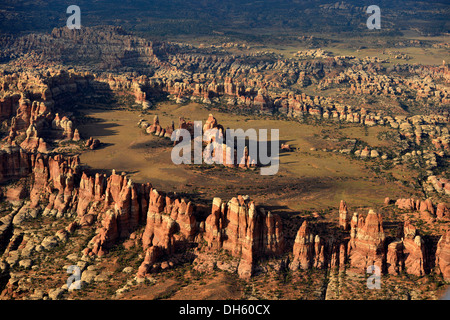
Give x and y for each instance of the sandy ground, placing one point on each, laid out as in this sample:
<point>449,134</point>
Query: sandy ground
<point>307,179</point>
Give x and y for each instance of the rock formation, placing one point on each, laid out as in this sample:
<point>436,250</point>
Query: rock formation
<point>442,211</point>
<point>14,163</point>
<point>366,246</point>
<point>116,206</point>
<point>344,216</point>
<point>92,143</point>
<point>443,256</point>
<point>427,210</point>
<point>304,248</point>
<point>413,251</point>
<point>244,230</point>
<point>170,226</point>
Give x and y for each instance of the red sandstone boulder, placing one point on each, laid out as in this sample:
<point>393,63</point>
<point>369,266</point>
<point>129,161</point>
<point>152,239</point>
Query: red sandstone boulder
<point>426,205</point>
<point>213,225</point>
<point>72,227</point>
<point>210,123</point>
<point>87,220</point>
<point>286,147</point>
<point>155,128</point>
<point>85,194</point>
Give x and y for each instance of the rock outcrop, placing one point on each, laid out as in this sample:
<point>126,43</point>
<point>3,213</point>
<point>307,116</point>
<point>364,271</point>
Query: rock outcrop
<point>310,250</point>
<point>427,210</point>
<point>170,227</point>
<point>304,248</point>
<point>245,231</point>
<point>216,150</point>
<point>366,246</point>
<point>442,211</point>
<point>344,216</point>
<point>118,204</point>
<point>170,221</point>
<point>14,163</point>
<point>54,183</point>
<point>414,253</point>
<point>443,256</point>
<point>92,143</point>
<point>116,207</point>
